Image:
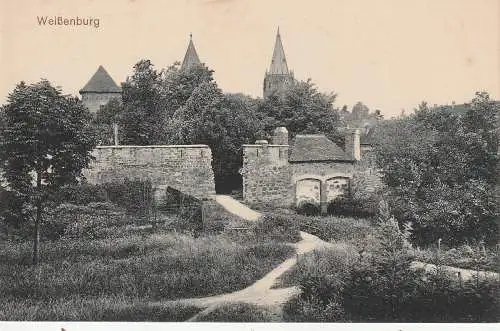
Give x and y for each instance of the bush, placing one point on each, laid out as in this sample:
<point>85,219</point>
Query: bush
<point>95,220</point>
<point>309,209</point>
<point>136,196</point>
<point>312,310</point>
<point>238,312</point>
<point>81,194</point>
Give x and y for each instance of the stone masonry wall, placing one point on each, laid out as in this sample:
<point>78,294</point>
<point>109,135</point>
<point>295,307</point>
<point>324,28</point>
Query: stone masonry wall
<point>93,101</point>
<point>187,168</point>
<point>266,175</point>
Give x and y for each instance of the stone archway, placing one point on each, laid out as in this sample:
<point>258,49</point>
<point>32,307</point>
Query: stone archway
<point>308,190</point>
<point>335,188</point>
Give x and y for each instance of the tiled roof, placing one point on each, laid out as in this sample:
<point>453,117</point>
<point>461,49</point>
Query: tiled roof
<point>101,82</point>
<point>316,147</point>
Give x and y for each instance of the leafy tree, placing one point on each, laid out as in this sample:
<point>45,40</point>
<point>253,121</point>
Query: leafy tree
<point>224,122</point>
<point>105,120</point>
<point>301,108</point>
<point>47,139</point>
<point>360,111</point>
<point>440,171</point>
<point>143,116</point>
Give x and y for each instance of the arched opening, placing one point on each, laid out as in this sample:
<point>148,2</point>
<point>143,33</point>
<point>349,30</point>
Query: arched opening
<point>308,195</point>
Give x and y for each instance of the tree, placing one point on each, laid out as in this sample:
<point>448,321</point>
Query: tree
<point>105,120</point>
<point>301,108</point>
<point>360,111</point>
<point>439,168</point>
<point>47,139</point>
<point>144,115</point>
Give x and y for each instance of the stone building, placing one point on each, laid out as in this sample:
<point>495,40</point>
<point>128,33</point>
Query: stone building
<point>312,169</point>
<point>99,90</point>
<point>278,75</point>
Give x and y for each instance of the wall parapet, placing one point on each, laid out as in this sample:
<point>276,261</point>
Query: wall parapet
<point>186,168</point>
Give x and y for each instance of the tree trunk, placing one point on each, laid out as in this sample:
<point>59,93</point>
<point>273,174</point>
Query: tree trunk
<point>36,239</point>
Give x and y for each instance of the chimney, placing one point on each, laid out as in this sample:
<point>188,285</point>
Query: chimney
<point>280,136</point>
<point>352,144</point>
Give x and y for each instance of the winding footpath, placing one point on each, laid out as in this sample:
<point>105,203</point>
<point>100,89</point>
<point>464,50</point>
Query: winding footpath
<point>262,292</point>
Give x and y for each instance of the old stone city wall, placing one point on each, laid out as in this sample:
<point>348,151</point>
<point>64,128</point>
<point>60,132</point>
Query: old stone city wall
<point>187,168</point>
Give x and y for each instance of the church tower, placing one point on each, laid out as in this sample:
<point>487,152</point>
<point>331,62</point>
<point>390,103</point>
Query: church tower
<point>191,58</point>
<point>278,75</point>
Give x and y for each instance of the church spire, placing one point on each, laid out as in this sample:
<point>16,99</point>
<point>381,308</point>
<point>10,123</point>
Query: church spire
<point>191,58</point>
<point>278,61</point>
<point>278,75</point>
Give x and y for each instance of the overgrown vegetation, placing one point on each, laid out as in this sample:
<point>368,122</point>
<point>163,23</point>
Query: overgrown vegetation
<point>376,284</point>
<point>138,268</point>
<point>441,171</point>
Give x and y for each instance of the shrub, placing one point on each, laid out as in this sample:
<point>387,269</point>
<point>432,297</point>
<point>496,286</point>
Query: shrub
<point>238,312</point>
<point>312,310</point>
<point>81,194</point>
<point>73,221</point>
<point>309,209</point>
<point>136,196</point>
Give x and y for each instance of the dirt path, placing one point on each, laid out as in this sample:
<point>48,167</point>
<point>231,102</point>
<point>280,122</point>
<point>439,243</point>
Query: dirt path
<point>237,208</point>
<point>260,292</point>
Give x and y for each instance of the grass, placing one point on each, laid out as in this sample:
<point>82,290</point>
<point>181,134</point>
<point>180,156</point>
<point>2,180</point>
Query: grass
<point>318,263</point>
<point>137,268</point>
<point>111,308</point>
<point>239,312</point>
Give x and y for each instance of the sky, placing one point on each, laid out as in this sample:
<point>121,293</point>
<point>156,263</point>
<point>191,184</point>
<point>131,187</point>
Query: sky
<point>389,54</point>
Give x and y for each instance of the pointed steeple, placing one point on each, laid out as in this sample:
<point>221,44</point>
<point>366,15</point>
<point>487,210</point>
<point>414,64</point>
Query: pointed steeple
<point>191,58</point>
<point>278,61</point>
<point>278,75</point>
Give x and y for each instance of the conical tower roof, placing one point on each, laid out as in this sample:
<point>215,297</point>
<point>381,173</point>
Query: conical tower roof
<point>278,62</point>
<point>191,58</point>
<point>101,82</point>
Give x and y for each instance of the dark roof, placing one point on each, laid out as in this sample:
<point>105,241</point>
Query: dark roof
<point>101,82</point>
<point>316,147</point>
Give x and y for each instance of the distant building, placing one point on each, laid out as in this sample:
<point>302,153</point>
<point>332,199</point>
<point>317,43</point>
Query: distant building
<point>191,58</point>
<point>99,90</point>
<point>278,75</point>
